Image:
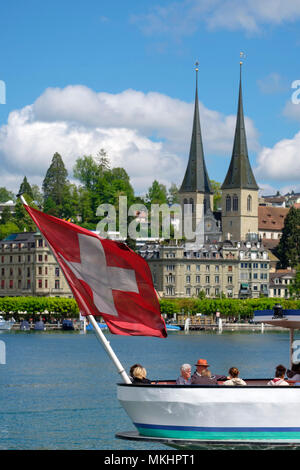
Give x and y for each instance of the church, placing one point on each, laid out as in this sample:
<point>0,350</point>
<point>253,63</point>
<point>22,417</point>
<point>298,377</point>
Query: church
<point>225,257</point>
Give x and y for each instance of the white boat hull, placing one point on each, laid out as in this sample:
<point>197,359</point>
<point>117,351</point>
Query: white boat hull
<point>5,325</point>
<point>221,413</point>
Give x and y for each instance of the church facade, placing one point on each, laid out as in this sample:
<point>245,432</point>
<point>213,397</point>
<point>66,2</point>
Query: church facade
<point>224,257</point>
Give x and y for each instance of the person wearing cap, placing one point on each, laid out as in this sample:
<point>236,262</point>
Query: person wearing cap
<point>200,377</point>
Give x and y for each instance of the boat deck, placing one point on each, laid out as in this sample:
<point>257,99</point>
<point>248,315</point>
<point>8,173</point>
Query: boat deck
<point>249,383</point>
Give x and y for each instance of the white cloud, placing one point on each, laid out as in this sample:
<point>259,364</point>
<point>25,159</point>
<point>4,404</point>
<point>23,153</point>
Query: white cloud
<point>183,18</point>
<point>273,83</point>
<point>282,162</point>
<point>147,134</point>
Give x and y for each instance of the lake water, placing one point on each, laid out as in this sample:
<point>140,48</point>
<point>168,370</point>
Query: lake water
<point>57,389</point>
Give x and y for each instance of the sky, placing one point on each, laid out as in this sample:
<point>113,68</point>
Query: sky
<point>79,76</point>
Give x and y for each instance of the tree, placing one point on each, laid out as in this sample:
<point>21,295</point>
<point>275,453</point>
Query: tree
<point>25,189</point>
<point>157,193</point>
<point>288,250</point>
<point>6,215</point>
<point>216,187</point>
<point>6,195</point>
<point>37,195</point>
<point>54,186</point>
<point>173,197</point>
<point>294,287</point>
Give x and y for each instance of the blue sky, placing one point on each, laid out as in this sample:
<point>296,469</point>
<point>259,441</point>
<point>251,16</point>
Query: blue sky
<point>86,75</point>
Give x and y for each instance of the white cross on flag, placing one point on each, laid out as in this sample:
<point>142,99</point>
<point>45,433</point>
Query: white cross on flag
<point>106,277</point>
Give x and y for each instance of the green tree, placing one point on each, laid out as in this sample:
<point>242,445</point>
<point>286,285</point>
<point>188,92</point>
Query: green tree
<point>294,287</point>
<point>8,228</point>
<point>288,250</point>
<point>37,195</point>
<point>25,189</point>
<point>157,193</point>
<point>54,186</point>
<point>6,195</point>
<point>216,187</point>
<point>6,215</point>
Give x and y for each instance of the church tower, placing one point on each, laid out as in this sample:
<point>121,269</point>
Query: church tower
<point>239,190</point>
<point>195,194</point>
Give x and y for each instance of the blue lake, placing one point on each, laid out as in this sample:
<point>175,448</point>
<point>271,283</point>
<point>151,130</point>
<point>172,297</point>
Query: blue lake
<point>57,389</point>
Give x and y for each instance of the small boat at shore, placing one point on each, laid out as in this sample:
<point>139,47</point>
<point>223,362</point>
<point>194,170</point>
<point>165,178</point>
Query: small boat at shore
<point>5,324</point>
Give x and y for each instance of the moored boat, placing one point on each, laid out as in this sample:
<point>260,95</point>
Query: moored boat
<point>5,324</point>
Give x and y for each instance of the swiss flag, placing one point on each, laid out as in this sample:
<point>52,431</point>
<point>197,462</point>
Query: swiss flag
<point>106,277</point>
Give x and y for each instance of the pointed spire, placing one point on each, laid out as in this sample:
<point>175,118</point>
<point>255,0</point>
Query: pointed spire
<point>240,175</point>
<point>196,176</point>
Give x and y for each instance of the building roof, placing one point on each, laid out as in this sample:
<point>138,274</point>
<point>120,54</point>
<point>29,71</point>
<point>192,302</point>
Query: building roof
<point>196,176</point>
<point>271,218</point>
<point>240,175</point>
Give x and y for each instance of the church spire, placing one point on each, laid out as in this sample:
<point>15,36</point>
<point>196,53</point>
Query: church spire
<point>196,177</point>
<point>240,175</point>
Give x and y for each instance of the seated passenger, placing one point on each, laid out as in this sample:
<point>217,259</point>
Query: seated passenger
<point>234,377</point>
<point>279,377</point>
<point>185,375</point>
<point>132,369</point>
<point>139,376</point>
<point>203,376</point>
<point>294,372</point>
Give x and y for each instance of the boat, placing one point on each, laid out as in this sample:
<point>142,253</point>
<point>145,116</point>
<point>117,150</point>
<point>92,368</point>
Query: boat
<point>39,325</point>
<point>5,324</point>
<point>251,415</point>
<point>172,327</point>
<point>67,325</point>
<point>103,326</point>
<point>24,325</point>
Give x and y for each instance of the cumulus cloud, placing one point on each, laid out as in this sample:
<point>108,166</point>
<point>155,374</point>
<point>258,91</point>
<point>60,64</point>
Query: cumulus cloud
<point>272,84</point>
<point>147,134</point>
<point>183,18</point>
<point>282,162</point>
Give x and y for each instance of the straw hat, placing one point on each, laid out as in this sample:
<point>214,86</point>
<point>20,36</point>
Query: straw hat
<point>202,362</point>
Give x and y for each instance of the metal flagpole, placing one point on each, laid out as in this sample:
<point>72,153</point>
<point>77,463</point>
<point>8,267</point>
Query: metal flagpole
<point>109,350</point>
<point>100,335</point>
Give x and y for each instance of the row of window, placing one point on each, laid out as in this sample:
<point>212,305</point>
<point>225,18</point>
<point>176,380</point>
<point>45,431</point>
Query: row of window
<point>11,284</point>
<point>232,203</point>
<point>171,279</point>
<point>39,244</point>
<point>23,259</point>
<point>19,271</point>
<point>171,267</point>
<point>254,265</point>
<point>208,291</point>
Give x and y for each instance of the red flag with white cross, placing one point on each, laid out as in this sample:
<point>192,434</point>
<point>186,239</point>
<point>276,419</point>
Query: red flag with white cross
<point>106,277</point>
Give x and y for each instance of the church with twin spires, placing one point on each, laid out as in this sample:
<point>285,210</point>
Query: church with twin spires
<point>239,219</point>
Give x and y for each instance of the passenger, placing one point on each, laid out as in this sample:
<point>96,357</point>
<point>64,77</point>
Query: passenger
<point>132,369</point>
<point>139,374</point>
<point>203,376</point>
<point>234,377</point>
<point>294,372</point>
<point>185,375</point>
<point>279,377</point>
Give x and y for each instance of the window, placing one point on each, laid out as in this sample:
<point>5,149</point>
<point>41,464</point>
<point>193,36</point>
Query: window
<point>46,257</point>
<point>2,284</point>
<point>217,279</point>
<point>19,259</point>
<point>188,267</point>
<point>198,279</point>
<point>217,268</point>
<point>11,284</point>
<point>235,203</point>
<point>40,283</point>
<point>188,291</point>
<point>28,272</point>
<point>56,283</point>
<point>46,271</point>
<point>229,279</point>
<point>28,258</point>
<point>249,203</point>
<point>10,259</point>
<point>40,258</point>
<point>188,279</point>
<point>198,267</point>
<point>2,271</point>
<point>40,270</point>
<point>230,269</point>
<point>255,276</point>
<point>217,291</point>
<point>28,283</point>
<point>46,283</point>
<point>228,203</point>
<point>19,283</point>
<point>207,279</point>
<point>170,291</point>
<point>207,291</point>
<point>40,242</point>
<point>207,268</point>
<point>56,272</point>
<point>170,267</point>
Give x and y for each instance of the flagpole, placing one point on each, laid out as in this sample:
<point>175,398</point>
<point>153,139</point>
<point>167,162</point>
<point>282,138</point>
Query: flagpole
<point>109,350</point>
<point>100,335</point>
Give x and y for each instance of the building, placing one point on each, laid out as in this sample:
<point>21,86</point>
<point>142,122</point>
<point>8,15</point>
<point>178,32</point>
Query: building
<point>239,189</point>
<point>270,224</point>
<point>196,194</point>
<point>280,281</point>
<point>28,268</point>
<point>233,269</point>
